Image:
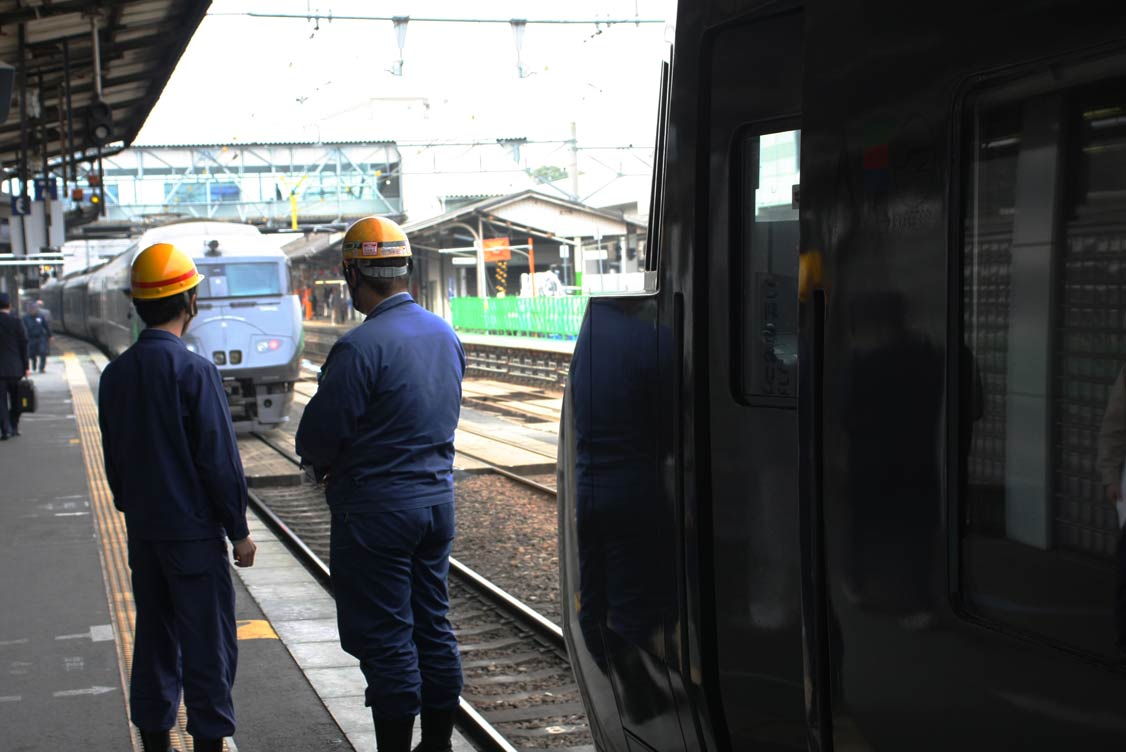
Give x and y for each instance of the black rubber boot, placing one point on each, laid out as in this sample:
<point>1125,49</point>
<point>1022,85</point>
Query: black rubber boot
<point>394,734</point>
<point>207,745</point>
<point>156,741</point>
<point>437,731</point>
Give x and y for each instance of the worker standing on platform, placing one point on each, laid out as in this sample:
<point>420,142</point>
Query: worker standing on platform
<point>380,432</point>
<point>173,466</point>
<point>38,328</point>
<point>13,367</point>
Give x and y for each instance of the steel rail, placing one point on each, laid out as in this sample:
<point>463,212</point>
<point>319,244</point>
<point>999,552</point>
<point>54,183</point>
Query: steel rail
<point>469,721</point>
<point>542,488</point>
<point>514,607</point>
<point>539,623</point>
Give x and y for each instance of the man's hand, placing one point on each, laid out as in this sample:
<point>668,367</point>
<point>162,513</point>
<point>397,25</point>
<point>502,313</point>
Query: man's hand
<point>1113,493</point>
<point>244,552</point>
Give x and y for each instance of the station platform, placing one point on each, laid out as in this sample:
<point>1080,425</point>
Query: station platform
<point>66,639</point>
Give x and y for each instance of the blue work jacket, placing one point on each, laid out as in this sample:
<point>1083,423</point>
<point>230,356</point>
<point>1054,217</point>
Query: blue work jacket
<point>382,422</point>
<point>171,455</point>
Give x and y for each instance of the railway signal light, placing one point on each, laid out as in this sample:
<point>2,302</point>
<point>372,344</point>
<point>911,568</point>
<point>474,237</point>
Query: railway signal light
<point>99,123</point>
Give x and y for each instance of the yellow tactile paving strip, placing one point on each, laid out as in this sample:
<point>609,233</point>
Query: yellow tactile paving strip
<point>111,532</point>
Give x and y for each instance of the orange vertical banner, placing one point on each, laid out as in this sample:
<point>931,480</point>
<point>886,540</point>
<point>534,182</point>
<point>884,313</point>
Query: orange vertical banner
<point>532,265</point>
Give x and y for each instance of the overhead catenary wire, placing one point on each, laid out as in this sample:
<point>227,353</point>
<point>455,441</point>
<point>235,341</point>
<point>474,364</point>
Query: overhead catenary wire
<point>432,19</point>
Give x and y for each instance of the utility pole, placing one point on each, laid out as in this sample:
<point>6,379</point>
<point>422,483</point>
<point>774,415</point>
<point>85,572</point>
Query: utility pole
<point>575,161</point>
<point>478,240</point>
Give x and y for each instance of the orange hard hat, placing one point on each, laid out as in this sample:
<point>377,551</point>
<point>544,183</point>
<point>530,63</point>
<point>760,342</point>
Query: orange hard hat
<point>375,238</point>
<point>161,271</point>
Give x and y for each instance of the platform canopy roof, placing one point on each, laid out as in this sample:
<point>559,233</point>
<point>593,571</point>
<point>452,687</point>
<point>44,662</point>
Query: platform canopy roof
<point>140,42</point>
<point>532,211</point>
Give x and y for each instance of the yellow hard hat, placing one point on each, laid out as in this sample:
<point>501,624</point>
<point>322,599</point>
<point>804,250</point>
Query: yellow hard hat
<point>375,238</point>
<point>161,271</point>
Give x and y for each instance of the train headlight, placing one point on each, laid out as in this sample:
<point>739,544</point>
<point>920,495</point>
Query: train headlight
<point>267,345</point>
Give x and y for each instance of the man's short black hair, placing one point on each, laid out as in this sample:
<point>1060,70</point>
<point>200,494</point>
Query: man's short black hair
<point>162,310</point>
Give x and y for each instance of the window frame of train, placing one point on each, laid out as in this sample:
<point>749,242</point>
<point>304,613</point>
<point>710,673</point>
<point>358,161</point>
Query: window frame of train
<point>1012,571</point>
<point>211,276</point>
<point>657,186</point>
<point>758,304</point>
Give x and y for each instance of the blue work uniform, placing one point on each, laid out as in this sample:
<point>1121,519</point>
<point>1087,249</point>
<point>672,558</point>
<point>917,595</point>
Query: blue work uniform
<point>173,465</point>
<point>38,329</point>
<point>381,426</point>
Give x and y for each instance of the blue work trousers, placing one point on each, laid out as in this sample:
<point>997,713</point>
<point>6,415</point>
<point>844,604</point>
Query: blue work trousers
<point>185,636</point>
<point>38,348</point>
<point>389,574</point>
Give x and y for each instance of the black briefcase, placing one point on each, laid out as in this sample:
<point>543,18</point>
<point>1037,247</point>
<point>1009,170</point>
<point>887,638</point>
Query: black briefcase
<point>28,399</point>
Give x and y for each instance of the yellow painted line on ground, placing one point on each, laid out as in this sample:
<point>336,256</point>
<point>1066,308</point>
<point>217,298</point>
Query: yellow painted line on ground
<point>114,552</point>
<point>256,629</point>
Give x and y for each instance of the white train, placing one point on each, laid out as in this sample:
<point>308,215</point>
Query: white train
<point>249,321</point>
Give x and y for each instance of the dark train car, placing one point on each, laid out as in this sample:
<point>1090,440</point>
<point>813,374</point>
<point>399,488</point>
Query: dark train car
<point>74,307</point>
<point>844,477</point>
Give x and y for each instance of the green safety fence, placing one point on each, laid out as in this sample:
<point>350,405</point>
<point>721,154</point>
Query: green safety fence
<point>520,317</point>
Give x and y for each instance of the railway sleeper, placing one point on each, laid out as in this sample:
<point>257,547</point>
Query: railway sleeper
<point>543,673</point>
<point>536,712</point>
<point>553,693</point>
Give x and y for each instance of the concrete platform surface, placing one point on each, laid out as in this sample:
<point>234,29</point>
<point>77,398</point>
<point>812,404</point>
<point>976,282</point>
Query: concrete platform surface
<point>64,649</point>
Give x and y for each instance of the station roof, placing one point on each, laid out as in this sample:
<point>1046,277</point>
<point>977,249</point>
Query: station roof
<point>528,211</point>
<point>536,211</point>
<point>140,43</point>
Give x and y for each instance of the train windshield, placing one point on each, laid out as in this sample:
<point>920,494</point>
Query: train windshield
<point>240,280</point>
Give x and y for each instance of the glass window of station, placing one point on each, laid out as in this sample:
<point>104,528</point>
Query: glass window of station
<point>1042,403</point>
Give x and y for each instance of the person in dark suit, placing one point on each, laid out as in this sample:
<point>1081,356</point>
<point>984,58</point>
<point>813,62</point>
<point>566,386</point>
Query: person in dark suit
<point>13,367</point>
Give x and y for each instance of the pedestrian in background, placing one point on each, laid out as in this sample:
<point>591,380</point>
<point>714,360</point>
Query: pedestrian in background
<point>13,367</point>
<point>38,328</point>
<point>380,432</point>
<point>173,466</point>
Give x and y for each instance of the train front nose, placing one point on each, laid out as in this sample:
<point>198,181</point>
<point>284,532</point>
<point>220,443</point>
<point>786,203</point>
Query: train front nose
<point>252,363</point>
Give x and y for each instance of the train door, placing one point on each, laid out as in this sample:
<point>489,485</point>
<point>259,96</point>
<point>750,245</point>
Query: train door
<point>971,409</point>
<point>753,136</point>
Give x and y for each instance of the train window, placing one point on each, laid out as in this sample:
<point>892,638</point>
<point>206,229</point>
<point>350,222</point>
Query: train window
<point>769,178</point>
<point>240,280</point>
<point>1042,405</point>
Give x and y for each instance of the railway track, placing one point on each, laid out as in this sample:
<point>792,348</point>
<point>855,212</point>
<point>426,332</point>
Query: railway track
<point>519,690</point>
<point>526,366</point>
<point>308,391</point>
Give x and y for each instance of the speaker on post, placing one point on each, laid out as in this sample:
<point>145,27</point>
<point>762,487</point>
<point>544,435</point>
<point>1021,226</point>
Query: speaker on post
<point>99,123</point>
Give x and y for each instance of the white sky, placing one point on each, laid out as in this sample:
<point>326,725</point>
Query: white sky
<point>252,79</point>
